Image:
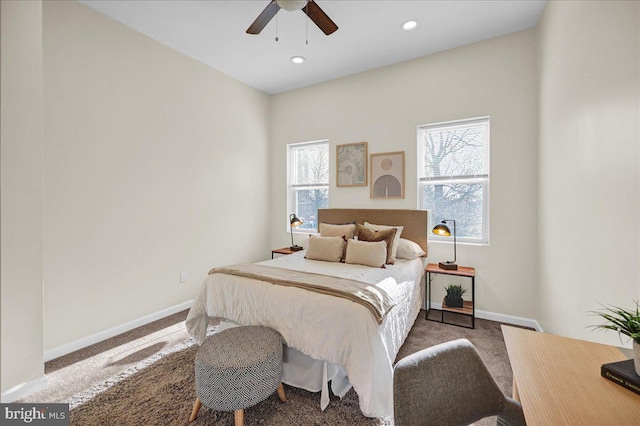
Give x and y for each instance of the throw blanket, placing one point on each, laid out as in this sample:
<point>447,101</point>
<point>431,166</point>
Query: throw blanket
<point>376,300</point>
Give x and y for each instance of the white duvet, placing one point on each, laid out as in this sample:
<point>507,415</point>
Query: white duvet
<point>324,327</point>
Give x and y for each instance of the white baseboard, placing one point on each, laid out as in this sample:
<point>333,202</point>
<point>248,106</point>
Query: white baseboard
<point>24,389</point>
<point>507,319</point>
<point>114,331</point>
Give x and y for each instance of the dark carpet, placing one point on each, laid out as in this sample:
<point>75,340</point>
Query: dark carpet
<point>163,392</point>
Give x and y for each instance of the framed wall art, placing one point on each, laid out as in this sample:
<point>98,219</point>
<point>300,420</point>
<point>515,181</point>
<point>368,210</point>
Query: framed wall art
<point>387,175</point>
<point>351,164</point>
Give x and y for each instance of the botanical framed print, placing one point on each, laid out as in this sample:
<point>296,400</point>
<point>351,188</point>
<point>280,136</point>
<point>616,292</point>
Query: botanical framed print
<point>387,175</point>
<point>351,164</point>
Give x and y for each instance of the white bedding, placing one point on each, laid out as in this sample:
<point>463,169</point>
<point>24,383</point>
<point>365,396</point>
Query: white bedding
<point>325,328</point>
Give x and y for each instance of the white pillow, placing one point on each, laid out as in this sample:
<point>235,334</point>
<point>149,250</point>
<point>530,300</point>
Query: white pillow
<point>331,230</point>
<point>396,240</point>
<point>328,249</point>
<point>407,249</point>
<point>366,253</point>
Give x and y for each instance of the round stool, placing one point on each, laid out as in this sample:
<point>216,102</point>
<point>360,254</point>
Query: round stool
<point>237,368</point>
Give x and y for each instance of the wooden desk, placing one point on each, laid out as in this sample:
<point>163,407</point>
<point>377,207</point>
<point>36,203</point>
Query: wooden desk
<point>558,382</point>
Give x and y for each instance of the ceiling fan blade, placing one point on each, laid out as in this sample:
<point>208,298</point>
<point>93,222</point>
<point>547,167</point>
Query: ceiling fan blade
<point>319,18</point>
<point>263,19</point>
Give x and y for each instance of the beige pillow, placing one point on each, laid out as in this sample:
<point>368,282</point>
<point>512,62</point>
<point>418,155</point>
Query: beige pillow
<point>305,242</point>
<point>330,230</point>
<point>396,240</point>
<point>366,253</point>
<point>328,249</point>
<point>366,234</point>
<point>407,249</point>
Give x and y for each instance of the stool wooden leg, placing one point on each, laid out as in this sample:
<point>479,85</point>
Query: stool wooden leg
<point>281,393</point>
<point>239,415</point>
<point>196,408</point>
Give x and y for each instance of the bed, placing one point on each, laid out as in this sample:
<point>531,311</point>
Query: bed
<point>328,339</point>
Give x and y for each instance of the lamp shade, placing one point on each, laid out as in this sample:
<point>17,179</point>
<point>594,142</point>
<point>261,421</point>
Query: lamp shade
<point>295,220</point>
<point>442,229</point>
<point>290,5</point>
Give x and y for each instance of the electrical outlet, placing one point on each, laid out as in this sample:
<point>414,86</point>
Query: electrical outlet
<point>184,276</point>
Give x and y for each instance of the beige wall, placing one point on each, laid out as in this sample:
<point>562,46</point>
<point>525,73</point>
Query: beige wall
<point>21,142</point>
<point>154,164</point>
<point>496,78</point>
<point>589,163</point>
<point>145,150</point>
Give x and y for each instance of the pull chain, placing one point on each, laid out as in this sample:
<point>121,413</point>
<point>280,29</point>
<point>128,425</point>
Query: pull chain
<point>276,27</point>
<point>306,6</point>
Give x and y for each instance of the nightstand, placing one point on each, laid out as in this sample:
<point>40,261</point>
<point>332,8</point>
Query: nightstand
<point>283,250</point>
<point>468,309</point>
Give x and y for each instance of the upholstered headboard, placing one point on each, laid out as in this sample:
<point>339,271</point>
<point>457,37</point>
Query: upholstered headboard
<point>415,222</point>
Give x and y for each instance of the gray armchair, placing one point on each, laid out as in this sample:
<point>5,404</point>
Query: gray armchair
<point>449,384</point>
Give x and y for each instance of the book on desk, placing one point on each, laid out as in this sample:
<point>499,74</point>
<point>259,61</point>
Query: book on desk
<point>622,373</point>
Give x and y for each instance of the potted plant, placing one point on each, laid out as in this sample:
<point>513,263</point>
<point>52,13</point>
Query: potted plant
<point>453,299</point>
<point>625,322</point>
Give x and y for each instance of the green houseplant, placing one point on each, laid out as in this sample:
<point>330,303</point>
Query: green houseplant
<point>453,299</point>
<point>626,322</point>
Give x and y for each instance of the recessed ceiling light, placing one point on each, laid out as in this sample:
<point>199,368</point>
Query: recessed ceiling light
<point>297,59</point>
<point>409,25</point>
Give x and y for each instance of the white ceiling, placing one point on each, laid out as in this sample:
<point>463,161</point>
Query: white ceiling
<point>369,34</point>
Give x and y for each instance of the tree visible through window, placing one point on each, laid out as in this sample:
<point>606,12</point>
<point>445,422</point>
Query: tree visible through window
<point>453,175</point>
<point>308,181</point>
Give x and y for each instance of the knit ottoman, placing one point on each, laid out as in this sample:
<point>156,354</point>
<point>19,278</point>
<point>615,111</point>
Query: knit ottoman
<point>237,368</point>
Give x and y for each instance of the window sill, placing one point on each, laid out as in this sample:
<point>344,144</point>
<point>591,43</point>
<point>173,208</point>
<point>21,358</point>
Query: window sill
<point>461,243</point>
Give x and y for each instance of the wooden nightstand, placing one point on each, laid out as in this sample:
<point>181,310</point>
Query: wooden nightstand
<point>468,309</point>
<point>283,250</point>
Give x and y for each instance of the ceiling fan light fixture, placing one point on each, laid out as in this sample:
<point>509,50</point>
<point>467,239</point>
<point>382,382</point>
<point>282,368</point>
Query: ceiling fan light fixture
<point>298,59</point>
<point>309,7</point>
<point>409,25</point>
<point>291,5</point>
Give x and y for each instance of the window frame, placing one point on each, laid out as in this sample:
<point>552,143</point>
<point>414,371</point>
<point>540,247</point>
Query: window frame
<point>292,189</point>
<point>484,179</point>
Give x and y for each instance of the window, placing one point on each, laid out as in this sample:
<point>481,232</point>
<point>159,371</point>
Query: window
<point>308,188</point>
<point>453,174</point>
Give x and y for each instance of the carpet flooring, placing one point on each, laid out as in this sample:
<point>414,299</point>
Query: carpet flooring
<point>151,380</point>
<point>74,373</point>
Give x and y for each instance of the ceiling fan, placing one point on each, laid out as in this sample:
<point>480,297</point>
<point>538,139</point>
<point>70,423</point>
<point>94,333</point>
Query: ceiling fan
<point>309,7</point>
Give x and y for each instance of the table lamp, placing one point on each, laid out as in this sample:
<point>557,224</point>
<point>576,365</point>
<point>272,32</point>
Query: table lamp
<point>443,229</point>
<point>294,221</point>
